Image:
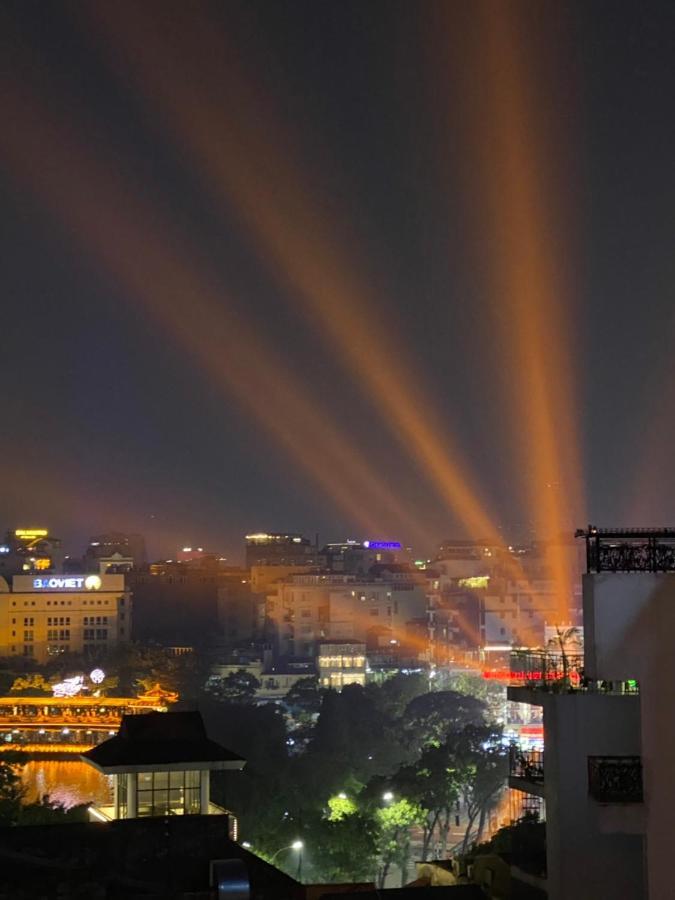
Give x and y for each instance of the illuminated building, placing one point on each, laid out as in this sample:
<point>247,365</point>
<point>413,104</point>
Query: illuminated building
<point>358,557</point>
<point>606,771</point>
<point>29,550</point>
<point>46,615</point>
<point>306,610</point>
<point>279,549</point>
<point>341,664</point>
<point>161,765</point>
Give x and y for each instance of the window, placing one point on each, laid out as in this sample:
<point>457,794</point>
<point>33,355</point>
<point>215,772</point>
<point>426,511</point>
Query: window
<point>28,621</point>
<point>163,793</point>
<point>28,635</point>
<point>27,649</point>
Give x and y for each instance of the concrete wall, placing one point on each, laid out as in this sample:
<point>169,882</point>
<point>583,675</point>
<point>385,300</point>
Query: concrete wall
<point>631,618</point>
<point>584,861</point>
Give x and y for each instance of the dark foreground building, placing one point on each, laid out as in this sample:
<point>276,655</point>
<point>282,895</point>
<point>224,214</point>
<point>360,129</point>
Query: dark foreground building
<point>163,858</point>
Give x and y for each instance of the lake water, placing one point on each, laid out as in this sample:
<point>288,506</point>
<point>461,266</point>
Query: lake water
<point>67,781</point>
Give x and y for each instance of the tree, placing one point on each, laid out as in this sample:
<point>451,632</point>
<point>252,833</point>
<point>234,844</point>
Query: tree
<point>345,849</point>
<point>395,693</point>
<point>12,791</point>
<point>31,685</point>
<point>433,784</point>
<point>395,821</point>
<point>237,687</point>
<point>565,640</point>
<point>305,696</point>
<point>483,761</point>
<point>430,718</point>
<point>340,806</point>
<point>47,812</point>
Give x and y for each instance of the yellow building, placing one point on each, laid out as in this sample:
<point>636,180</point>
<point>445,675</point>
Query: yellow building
<point>44,616</point>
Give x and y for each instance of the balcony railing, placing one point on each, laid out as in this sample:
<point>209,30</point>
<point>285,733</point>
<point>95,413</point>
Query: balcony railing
<point>629,549</point>
<point>615,779</point>
<point>555,673</point>
<point>527,764</point>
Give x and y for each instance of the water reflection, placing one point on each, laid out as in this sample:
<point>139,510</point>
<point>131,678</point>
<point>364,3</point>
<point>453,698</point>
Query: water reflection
<point>66,781</point>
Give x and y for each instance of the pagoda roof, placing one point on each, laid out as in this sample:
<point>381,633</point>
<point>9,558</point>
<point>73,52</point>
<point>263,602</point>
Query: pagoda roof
<point>161,741</point>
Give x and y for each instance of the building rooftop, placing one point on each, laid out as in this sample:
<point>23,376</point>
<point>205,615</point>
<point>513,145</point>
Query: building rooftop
<point>161,739</point>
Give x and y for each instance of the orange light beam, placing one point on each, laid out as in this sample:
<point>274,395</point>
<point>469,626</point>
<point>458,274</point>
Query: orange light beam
<point>145,255</point>
<point>528,293</point>
<point>254,168</point>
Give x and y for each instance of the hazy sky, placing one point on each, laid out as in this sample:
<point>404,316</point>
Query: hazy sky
<point>211,211</point>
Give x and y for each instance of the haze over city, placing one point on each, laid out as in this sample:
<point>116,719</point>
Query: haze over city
<point>263,262</point>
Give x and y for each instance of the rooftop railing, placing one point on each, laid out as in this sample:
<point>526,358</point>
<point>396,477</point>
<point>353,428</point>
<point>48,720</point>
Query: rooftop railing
<point>629,549</point>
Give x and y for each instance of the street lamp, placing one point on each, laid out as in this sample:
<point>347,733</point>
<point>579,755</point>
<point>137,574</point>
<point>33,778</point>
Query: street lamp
<point>296,845</point>
<point>387,796</point>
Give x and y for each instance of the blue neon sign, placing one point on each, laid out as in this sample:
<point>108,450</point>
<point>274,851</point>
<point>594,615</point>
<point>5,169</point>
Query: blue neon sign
<point>382,545</point>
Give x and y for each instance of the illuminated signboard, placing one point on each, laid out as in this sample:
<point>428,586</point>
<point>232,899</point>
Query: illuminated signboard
<point>68,583</point>
<point>382,545</point>
<point>29,534</point>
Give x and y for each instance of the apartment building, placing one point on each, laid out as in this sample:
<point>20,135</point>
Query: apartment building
<point>307,609</point>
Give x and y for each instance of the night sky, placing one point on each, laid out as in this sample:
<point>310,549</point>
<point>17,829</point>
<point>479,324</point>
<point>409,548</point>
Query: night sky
<point>252,253</point>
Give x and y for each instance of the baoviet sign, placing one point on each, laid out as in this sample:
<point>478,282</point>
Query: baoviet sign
<point>22,584</point>
<point>68,583</point>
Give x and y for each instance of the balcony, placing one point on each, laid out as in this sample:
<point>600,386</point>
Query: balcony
<point>526,771</point>
<point>615,779</point>
<point>553,673</point>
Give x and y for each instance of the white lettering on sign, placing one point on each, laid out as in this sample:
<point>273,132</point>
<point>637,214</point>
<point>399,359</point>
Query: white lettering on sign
<point>68,583</point>
<point>56,583</point>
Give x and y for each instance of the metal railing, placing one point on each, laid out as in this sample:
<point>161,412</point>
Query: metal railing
<point>526,764</point>
<point>629,549</point>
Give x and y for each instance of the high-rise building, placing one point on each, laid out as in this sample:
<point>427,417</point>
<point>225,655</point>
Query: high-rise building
<point>279,549</point>
<point>116,543</point>
<point>27,550</point>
